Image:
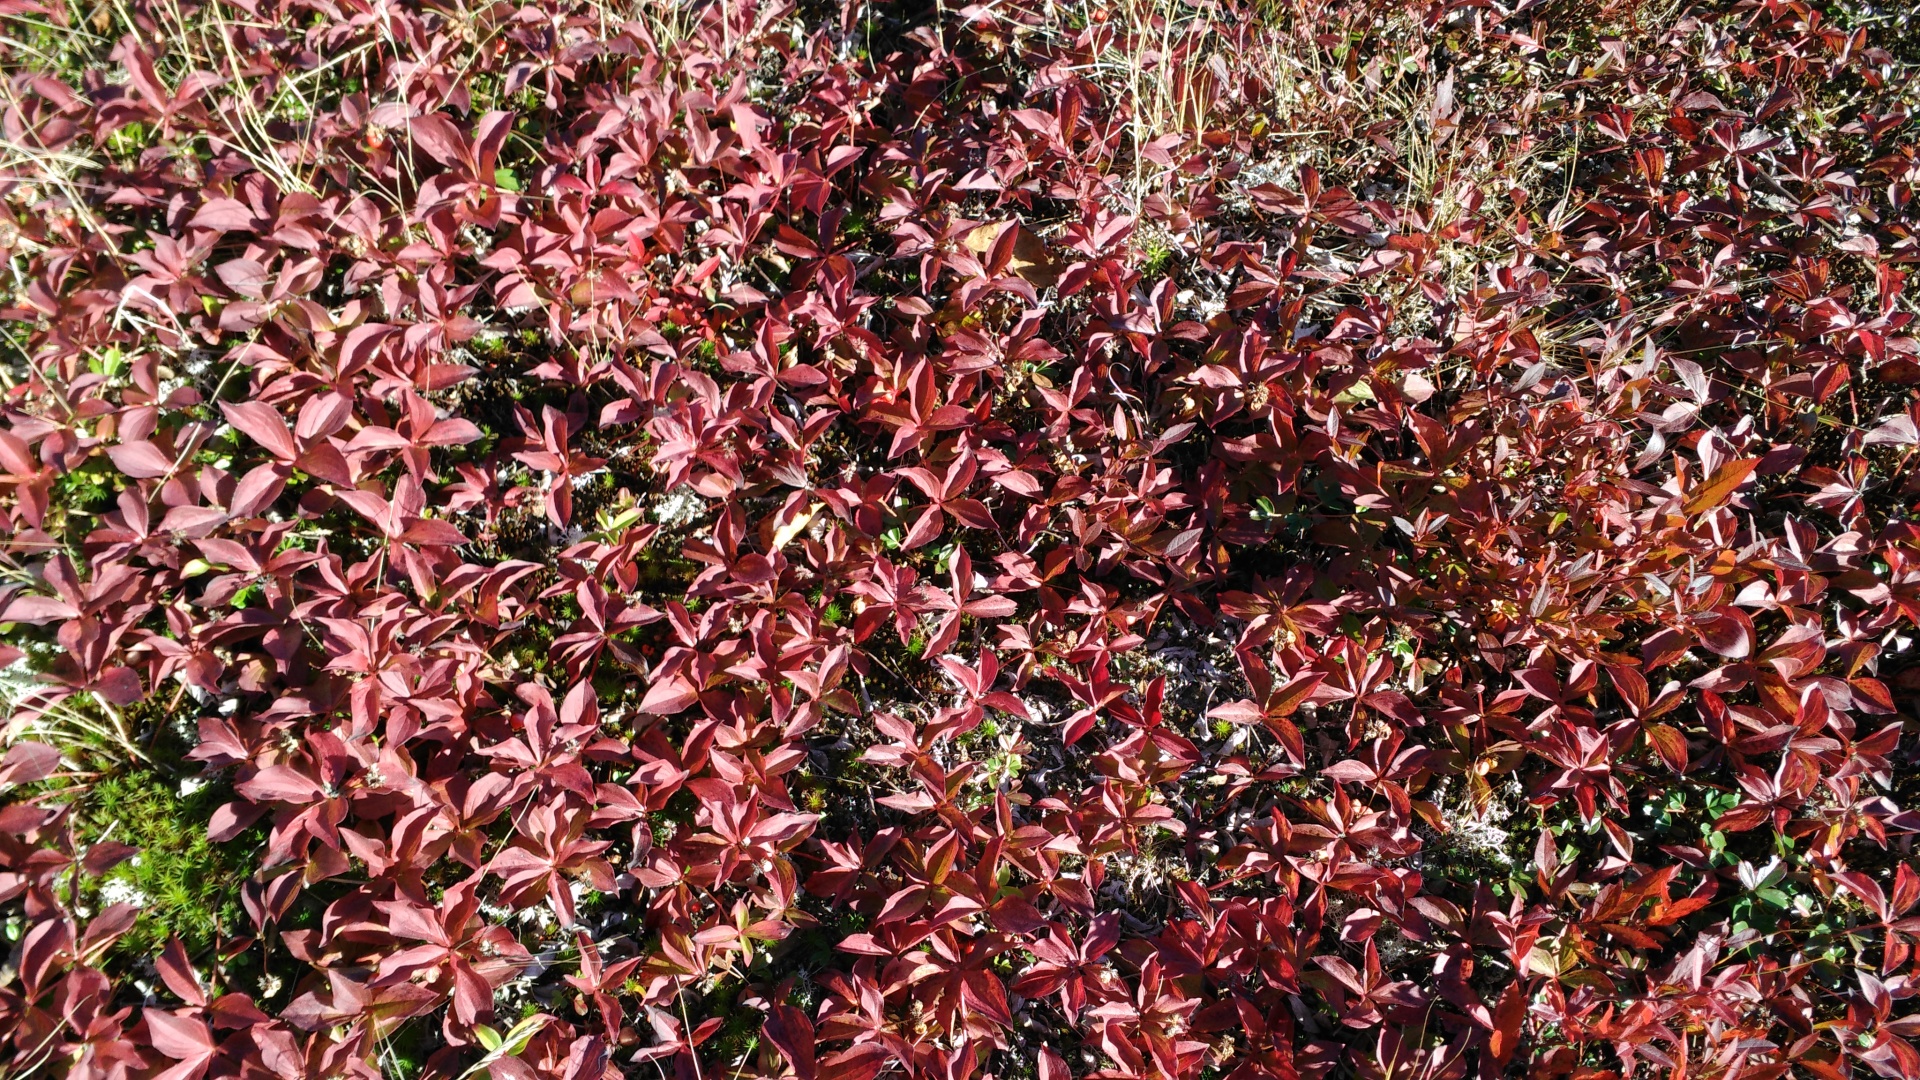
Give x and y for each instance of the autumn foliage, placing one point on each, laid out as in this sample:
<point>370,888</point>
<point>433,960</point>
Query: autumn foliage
<point>1164,538</point>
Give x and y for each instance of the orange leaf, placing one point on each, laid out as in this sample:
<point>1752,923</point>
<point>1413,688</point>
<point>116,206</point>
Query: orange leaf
<point>1720,486</point>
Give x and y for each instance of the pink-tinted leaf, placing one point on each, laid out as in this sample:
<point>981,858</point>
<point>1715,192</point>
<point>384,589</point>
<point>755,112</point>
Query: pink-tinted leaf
<point>141,460</point>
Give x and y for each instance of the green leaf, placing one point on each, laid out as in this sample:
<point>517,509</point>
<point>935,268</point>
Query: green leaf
<point>504,178</point>
<point>508,1045</point>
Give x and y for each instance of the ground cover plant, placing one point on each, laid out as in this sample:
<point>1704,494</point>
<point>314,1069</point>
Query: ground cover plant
<point>846,540</point>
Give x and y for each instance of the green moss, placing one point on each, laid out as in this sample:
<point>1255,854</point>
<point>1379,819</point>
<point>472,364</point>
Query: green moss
<point>187,885</point>
<point>1156,260</point>
<point>128,141</point>
<point>87,489</point>
<point>739,1035</point>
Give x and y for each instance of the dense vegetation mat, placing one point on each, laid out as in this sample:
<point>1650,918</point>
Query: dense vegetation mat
<point>1145,538</point>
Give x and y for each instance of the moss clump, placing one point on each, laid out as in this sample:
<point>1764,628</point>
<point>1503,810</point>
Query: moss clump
<point>185,884</point>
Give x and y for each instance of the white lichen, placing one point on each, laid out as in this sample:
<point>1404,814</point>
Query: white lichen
<point>679,508</point>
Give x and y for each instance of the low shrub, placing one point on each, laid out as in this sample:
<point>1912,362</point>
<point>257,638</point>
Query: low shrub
<point>1174,538</point>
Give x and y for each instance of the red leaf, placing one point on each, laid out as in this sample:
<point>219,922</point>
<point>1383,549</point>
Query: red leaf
<point>258,489</point>
<point>28,763</point>
<point>223,215</point>
<point>180,1038</point>
<point>38,609</point>
<point>1670,744</point>
<point>1508,1014</point>
<point>280,783</point>
<point>141,460</point>
<point>263,424</point>
<point>669,696</point>
<point>791,1033</point>
<point>1727,631</point>
<point>432,532</point>
<point>177,972</point>
<point>438,137</point>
